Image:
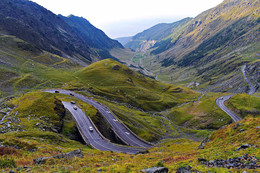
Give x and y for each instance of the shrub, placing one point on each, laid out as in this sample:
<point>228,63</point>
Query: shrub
<point>7,151</point>
<point>160,164</point>
<point>7,163</point>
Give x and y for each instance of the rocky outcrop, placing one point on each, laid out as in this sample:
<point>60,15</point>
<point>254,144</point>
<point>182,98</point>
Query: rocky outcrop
<point>187,169</point>
<point>75,153</point>
<point>116,67</point>
<point>203,143</point>
<point>246,161</point>
<point>237,125</point>
<point>244,146</point>
<point>156,170</point>
<point>254,73</point>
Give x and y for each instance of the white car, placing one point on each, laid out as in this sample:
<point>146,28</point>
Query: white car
<point>91,129</point>
<point>127,133</point>
<point>75,107</point>
<point>115,120</point>
<point>221,98</point>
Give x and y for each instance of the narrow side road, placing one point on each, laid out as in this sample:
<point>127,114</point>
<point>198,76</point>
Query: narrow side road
<point>252,88</point>
<point>92,137</point>
<point>220,103</point>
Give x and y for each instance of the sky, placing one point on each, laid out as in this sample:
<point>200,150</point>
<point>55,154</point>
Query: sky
<point>120,18</point>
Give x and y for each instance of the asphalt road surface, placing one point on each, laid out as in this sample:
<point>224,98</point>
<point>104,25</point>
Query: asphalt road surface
<point>221,105</point>
<point>121,131</point>
<point>92,137</point>
<point>252,88</point>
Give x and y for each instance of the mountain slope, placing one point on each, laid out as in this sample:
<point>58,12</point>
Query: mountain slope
<point>94,37</point>
<point>152,35</point>
<point>47,31</point>
<point>211,48</point>
<point>123,40</point>
<point>230,14</point>
<point>113,80</point>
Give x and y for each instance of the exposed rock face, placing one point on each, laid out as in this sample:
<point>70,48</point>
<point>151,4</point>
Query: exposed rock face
<point>237,125</point>
<point>60,110</point>
<point>254,73</point>
<point>116,67</point>
<point>244,146</point>
<point>203,143</point>
<point>156,170</point>
<point>187,169</point>
<point>75,153</point>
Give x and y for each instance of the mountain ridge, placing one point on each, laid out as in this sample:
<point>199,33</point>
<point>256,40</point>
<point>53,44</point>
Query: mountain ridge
<point>225,36</point>
<point>47,31</point>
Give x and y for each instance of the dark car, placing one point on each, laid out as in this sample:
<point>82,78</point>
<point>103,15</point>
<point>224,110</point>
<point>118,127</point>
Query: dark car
<point>72,102</point>
<point>71,94</point>
<point>57,92</point>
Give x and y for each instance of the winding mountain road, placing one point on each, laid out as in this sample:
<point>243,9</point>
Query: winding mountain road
<point>119,128</point>
<point>220,103</point>
<point>93,137</point>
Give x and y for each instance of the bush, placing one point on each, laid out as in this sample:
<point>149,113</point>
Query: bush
<point>160,164</point>
<point>7,163</point>
<point>7,151</point>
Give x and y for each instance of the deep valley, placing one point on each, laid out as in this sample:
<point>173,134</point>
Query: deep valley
<point>177,97</point>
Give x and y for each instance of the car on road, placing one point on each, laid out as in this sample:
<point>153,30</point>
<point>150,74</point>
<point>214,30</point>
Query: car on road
<point>127,133</point>
<point>75,107</point>
<point>57,92</point>
<point>72,102</point>
<point>91,129</point>
<point>115,120</point>
<point>71,94</point>
<point>221,98</point>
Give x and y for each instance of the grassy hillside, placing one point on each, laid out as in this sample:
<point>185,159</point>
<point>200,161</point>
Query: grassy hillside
<point>204,114</point>
<point>155,34</point>
<point>36,113</point>
<point>30,69</point>
<point>245,105</point>
<point>72,37</point>
<point>171,154</point>
<point>210,49</point>
<point>24,67</point>
<point>116,81</point>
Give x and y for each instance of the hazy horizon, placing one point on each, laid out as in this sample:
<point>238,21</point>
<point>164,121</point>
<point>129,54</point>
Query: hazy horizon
<point>126,18</point>
<point>133,27</point>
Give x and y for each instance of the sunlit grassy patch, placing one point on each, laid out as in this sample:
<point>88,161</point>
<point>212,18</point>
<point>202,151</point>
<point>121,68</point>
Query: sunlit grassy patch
<point>245,105</point>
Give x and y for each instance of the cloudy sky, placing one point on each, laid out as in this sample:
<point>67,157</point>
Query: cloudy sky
<point>118,18</point>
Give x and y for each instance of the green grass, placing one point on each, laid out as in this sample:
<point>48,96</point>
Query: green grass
<point>130,87</point>
<point>38,107</point>
<point>221,140</point>
<point>200,115</point>
<point>170,153</point>
<point>245,105</point>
